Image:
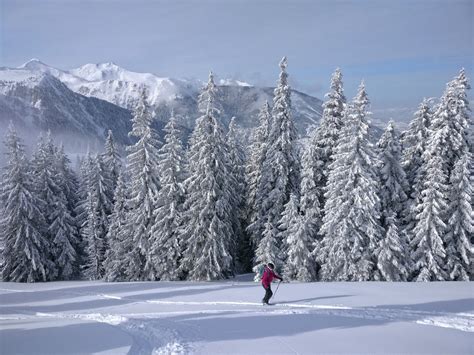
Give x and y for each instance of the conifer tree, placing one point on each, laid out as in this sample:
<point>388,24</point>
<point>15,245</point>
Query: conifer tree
<point>45,172</point>
<point>167,248</point>
<point>84,186</point>
<point>435,248</point>
<point>103,192</point>
<point>459,214</point>
<point>268,250</point>
<point>310,202</point>
<point>415,141</point>
<point>69,185</point>
<point>112,159</point>
<point>289,215</point>
<point>393,250</point>
<point>428,250</point>
<point>207,222</point>
<point>254,167</point>
<point>392,176</point>
<point>142,167</point>
<point>299,265</point>
<point>280,168</point>
<point>323,141</point>
<point>97,187</point>
<point>68,181</point>
<point>240,244</point>
<point>351,225</point>
<point>461,221</point>
<point>414,144</point>
<point>64,239</point>
<point>117,236</point>
<point>25,254</point>
<point>95,248</point>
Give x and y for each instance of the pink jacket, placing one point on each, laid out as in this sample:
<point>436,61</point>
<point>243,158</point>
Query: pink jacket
<point>268,276</point>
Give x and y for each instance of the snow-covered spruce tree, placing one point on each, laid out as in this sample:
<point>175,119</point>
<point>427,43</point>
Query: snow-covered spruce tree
<point>101,188</point>
<point>288,216</point>
<point>451,119</point>
<point>351,225</point>
<point>241,250</point>
<point>68,181</point>
<point>427,244</point>
<point>268,250</point>
<point>80,211</point>
<point>392,252</point>
<point>85,168</point>
<point>392,176</point>
<point>393,197</point>
<point>95,249</point>
<point>310,202</point>
<point>280,168</point>
<point>298,244</point>
<point>317,157</point>
<point>167,248</point>
<point>117,236</point>
<point>414,143</point>
<point>207,223</point>
<point>436,252</point>
<point>112,159</point>
<point>45,172</point>
<point>95,192</point>
<point>65,240</point>
<point>254,165</point>
<point>25,254</point>
<point>324,139</point>
<point>459,216</point>
<point>461,221</point>
<point>104,191</point>
<point>142,167</point>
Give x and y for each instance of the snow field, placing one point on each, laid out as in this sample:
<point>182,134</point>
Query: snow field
<point>226,317</point>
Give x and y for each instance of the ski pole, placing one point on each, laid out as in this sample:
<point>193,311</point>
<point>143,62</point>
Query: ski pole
<point>273,296</point>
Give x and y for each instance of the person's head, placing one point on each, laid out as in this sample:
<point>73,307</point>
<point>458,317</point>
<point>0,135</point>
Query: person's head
<point>271,266</point>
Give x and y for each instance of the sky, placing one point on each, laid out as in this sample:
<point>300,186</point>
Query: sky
<point>404,50</point>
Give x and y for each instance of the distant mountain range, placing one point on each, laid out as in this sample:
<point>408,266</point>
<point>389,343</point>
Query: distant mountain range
<point>81,104</point>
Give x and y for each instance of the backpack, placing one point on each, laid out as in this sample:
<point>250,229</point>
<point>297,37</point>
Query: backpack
<point>261,271</point>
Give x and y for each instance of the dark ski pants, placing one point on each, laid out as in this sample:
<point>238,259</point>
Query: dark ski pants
<point>268,294</point>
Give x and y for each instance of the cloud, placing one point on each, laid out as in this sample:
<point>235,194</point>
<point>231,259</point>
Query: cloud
<point>391,44</point>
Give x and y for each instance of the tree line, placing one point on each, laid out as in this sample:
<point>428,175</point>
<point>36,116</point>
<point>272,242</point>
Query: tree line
<point>344,207</point>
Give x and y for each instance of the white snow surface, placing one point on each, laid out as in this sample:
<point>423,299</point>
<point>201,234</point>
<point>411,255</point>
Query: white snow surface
<point>227,317</point>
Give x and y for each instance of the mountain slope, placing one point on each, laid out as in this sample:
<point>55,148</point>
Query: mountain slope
<point>36,100</point>
<point>122,87</point>
<point>80,105</point>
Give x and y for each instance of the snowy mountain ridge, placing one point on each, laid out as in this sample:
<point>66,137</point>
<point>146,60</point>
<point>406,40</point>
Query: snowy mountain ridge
<point>109,82</point>
<point>50,98</point>
<point>35,100</point>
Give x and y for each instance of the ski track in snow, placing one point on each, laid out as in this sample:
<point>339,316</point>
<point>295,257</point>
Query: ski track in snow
<point>112,319</point>
<point>153,336</point>
<point>154,333</point>
<point>231,303</point>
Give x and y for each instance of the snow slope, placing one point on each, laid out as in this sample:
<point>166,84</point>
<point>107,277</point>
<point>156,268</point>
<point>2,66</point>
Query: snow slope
<point>226,317</point>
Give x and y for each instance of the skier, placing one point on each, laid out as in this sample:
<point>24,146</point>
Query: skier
<point>267,278</point>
